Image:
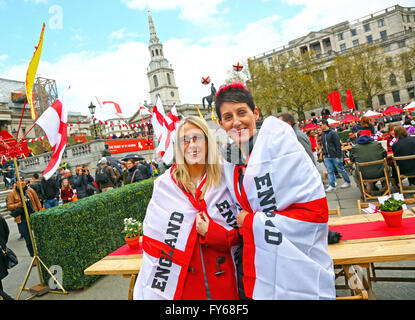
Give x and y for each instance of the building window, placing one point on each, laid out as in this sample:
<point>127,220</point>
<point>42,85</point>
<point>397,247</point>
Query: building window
<point>157,52</point>
<point>168,79</point>
<point>401,44</point>
<point>369,38</point>
<point>383,35</point>
<point>152,53</point>
<point>343,47</point>
<point>408,18</point>
<point>392,79</point>
<point>381,23</point>
<point>366,27</point>
<point>172,94</point>
<point>355,43</point>
<point>411,92</point>
<point>408,75</point>
<point>396,96</point>
<point>340,36</point>
<point>353,32</point>
<point>381,99</point>
<point>387,48</point>
<point>270,60</point>
<point>156,82</point>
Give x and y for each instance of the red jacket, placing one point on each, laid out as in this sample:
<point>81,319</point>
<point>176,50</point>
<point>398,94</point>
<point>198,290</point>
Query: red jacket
<point>216,244</point>
<point>66,194</point>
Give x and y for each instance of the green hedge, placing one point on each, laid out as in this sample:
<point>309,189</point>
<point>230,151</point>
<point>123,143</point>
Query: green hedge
<point>344,135</point>
<point>78,234</point>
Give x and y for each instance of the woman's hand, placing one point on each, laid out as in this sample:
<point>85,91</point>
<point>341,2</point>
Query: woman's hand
<point>202,223</point>
<point>241,217</point>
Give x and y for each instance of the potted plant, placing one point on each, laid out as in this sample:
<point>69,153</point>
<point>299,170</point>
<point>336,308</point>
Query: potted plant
<point>133,229</point>
<point>392,211</point>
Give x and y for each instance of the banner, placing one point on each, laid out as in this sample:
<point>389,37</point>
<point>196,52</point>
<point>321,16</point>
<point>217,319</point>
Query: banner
<point>130,145</point>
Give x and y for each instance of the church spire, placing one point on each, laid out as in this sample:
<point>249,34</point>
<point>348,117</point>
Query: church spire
<point>153,35</point>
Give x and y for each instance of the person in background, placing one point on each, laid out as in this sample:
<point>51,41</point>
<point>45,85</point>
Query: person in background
<point>301,136</point>
<point>367,150</point>
<point>106,152</point>
<point>124,173</point>
<point>4,236</point>
<point>50,192</point>
<point>404,146</point>
<point>66,191</point>
<point>35,185</point>
<point>15,205</point>
<point>80,182</point>
<point>105,176</point>
<point>144,169</point>
<point>134,174</point>
<point>333,156</point>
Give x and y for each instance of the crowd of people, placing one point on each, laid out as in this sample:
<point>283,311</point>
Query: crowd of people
<point>368,140</point>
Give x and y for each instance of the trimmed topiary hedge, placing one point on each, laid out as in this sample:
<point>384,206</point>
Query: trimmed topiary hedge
<point>78,234</point>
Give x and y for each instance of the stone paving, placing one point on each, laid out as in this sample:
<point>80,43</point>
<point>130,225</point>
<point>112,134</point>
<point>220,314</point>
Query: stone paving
<point>115,287</point>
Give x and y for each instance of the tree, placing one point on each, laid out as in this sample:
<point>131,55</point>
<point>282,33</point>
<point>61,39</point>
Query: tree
<point>294,82</point>
<point>364,70</point>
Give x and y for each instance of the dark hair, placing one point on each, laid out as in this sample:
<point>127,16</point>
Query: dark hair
<point>287,117</point>
<point>36,176</point>
<point>325,122</point>
<point>400,132</point>
<point>234,92</point>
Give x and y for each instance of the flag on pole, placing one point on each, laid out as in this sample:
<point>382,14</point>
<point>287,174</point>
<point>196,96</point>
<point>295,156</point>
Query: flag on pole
<point>350,101</point>
<point>335,101</point>
<point>144,111</point>
<point>200,114</point>
<point>116,105</point>
<point>214,117</point>
<point>173,119</point>
<point>54,121</point>
<point>163,134</point>
<point>31,74</point>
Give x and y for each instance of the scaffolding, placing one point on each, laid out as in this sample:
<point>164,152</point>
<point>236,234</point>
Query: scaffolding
<point>46,92</point>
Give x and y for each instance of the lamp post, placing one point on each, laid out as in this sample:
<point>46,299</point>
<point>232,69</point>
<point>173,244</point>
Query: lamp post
<point>91,108</point>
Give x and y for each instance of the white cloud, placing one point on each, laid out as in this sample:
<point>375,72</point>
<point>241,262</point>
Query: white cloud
<point>196,11</point>
<point>121,34</point>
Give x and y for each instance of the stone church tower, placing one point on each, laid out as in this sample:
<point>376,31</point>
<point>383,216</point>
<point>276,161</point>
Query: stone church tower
<point>160,73</point>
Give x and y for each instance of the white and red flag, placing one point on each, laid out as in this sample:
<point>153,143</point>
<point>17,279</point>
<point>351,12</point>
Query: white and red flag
<point>173,119</point>
<point>116,106</point>
<point>285,251</point>
<point>54,121</point>
<point>144,111</point>
<point>163,134</point>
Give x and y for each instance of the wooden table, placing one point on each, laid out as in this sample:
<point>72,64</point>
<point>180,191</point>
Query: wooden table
<point>367,251</point>
<point>127,265</point>
<point>345,253</point>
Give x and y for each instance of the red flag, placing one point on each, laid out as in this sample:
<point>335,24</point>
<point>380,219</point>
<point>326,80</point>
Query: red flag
<point>350,101</point>
<point>335,101</point>
<point>116,105</point>
<point>54,121</point>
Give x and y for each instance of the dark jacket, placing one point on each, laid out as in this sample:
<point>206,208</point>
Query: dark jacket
<point>4,237</point>
<point>49,189</point>
<point>145,170</point>
<point>112,177</point>
<point>36,186</point>
<point>134,175</point>
<point>405,147</point>
<point>80,183</point>
<point>367,150</point>
<point>331,144</point>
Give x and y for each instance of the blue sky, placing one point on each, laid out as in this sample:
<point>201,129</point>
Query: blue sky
<point>100,47</point>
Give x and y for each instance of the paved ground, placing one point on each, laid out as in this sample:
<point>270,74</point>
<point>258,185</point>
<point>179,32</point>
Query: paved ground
<point>115,287</point>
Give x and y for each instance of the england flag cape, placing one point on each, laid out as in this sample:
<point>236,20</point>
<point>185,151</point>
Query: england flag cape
<point>285,254</point>
<point>169,235</point>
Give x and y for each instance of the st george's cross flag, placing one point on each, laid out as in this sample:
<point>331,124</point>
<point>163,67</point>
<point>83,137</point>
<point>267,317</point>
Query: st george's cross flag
<point>116,106</point>
<point>160,126</point>
<point>285,252</point>
<point>54,121</point>
<point>169,235</point>
<point>173,119</point>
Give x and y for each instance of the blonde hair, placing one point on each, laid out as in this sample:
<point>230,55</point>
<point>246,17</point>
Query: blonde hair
<point>212,165</point>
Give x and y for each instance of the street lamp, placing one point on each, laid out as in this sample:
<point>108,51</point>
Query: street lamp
<point>91,108</point>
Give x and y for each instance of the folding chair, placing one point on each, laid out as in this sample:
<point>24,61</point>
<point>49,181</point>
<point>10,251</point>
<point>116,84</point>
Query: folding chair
<point>335,211</point>
<point>385,189</point>
<point>409,189</point>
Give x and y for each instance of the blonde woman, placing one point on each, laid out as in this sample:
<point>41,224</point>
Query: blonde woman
<point>189,236</point>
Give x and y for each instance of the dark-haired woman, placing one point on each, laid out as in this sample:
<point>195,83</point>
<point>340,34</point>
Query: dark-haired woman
<point>284,211</point>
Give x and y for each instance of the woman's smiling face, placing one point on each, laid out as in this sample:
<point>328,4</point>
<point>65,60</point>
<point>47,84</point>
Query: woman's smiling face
<point>239,121</point>
<point>194,144</point>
